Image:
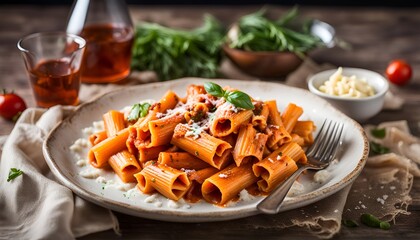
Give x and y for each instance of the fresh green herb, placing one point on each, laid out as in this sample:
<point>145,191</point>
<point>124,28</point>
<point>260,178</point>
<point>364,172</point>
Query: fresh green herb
<point>372,221</point>
<point>214,89</point>
<point>378,132</point>
<point>384,225</point>
<point>138,110</point>
<point>350,223</point>
<point>258,33</point>
<point>174,53</point>
<point>240,99</point>
<point>237,98</point>
<point>376,149</point>
<point>14,173</point>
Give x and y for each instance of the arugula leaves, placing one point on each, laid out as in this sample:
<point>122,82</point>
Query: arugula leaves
<point>14,173</point>
<point>378,132</point>
<point>258,33</point>
<point>376,149</point>
<point>237,98</point>
<point>138,110</point>
<point>174,53</point>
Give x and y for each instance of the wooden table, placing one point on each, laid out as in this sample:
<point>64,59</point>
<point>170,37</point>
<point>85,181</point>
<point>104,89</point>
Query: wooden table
<point>377,35</point>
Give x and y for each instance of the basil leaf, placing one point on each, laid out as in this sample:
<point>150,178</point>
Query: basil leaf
<point>378,132</point>
<point>240,99</point>
<point>376,148</point>
<point>14,173</point>
<point>237,98</point>
<point>138,110</point>
<point>214,89</point>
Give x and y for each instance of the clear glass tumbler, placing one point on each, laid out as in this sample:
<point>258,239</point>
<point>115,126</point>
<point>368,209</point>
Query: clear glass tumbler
<point>53,61</point>
<point>106,25</point>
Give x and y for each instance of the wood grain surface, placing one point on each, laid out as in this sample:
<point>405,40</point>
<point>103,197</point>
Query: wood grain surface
<point>377,35</point>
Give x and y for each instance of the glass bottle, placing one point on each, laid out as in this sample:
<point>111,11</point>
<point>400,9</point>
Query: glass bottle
<point>107,28</point>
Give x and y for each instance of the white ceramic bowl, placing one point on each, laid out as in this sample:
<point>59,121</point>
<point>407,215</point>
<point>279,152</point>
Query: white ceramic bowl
<point>360,109</point>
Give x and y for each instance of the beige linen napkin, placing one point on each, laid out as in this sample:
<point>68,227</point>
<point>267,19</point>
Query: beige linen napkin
<point>34,205</point>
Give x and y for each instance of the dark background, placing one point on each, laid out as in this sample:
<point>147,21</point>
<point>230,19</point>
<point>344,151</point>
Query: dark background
<point>371,3</point>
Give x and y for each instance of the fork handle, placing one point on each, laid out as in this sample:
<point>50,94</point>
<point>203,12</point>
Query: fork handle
<point>272,203</point>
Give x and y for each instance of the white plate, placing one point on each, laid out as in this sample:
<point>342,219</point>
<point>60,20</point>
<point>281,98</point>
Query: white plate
<point>62,160</point>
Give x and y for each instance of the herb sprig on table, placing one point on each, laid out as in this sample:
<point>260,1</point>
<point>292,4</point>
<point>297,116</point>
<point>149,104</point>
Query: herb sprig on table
<point>258,33</point>
<point>174,53</point>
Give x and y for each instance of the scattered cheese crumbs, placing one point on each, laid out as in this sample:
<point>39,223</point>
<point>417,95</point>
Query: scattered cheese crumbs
<point>222,175</point>
<point>88,131</point>
<point>385,197</point>
<point>380,200</point>
<point>278,157</point>
<point>194,131</point>
<point>173,204</point>
<point>79,145</point>
<point>132,192</point>
<point>336,210</point>
<point>392,188</point>
<point>100,179</point>
<point>158,204</point>
<point>98,126</point>
<point>90,173</point>
<point>81,163</point>
<point>322,176</point>
<point>363,206</point>
<point>245,196</point>
<point>187,171</point>
<point>150,199</point>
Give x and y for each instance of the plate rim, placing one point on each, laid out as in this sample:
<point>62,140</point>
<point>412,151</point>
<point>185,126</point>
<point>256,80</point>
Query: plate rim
<point>236,213</point>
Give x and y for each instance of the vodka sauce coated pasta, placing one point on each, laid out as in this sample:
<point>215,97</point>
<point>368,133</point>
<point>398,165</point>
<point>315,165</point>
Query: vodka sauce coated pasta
<point>209,145</point>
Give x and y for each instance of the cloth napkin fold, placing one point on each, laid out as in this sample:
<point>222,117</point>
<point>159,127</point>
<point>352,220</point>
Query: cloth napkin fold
<point>34,205</point>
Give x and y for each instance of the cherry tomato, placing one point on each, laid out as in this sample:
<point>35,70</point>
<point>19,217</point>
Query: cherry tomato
<point>399,72</point>
<point>11,105</point>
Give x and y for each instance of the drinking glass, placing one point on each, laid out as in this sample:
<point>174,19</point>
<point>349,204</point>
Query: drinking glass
<point>53,62</point>
<point>106,25</point>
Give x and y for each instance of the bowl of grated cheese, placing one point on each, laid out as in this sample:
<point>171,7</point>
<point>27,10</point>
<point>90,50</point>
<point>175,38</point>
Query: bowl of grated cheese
<point>359,93</point>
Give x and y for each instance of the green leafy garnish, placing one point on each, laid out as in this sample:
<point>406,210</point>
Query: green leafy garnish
<point>376,149</point>
<point>14,173</point>
<point>138,110</point>
<point>378,132</point>
<point>372,221</point>
<point>174,53</point>
<point>384,225</point>
<point>258,33</point>
<point>350,223</point>
<point>237,98</point>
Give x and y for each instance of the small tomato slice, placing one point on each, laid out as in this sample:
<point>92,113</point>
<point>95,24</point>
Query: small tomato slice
<point>11,105</point>
<point>399,72</point>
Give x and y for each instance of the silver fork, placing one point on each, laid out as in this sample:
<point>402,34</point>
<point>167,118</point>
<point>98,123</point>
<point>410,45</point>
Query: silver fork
<point>320,154</point>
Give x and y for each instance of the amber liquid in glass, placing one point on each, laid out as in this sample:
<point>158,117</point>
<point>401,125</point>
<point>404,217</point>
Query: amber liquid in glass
<point>108,53</point>
<point>55,82</point>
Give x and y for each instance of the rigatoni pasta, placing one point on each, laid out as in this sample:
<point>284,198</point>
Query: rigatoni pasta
<point>205,145</point>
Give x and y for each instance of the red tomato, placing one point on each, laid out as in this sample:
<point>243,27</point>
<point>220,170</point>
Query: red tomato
<point>399,72</point>
<point>11,105</point>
